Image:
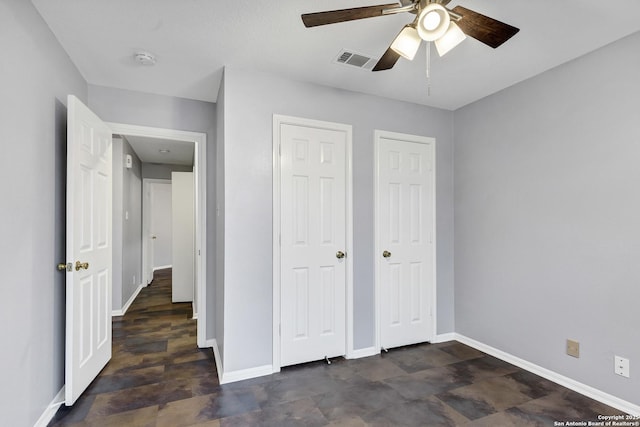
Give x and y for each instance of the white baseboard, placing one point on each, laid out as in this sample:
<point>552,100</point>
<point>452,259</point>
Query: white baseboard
<point>51,410</point>
<point>162,267</point>
<point>245,374</point>
<point>451,336</point>
<point>124,309</point>
<point>362,352</point>
<point>567,382</point>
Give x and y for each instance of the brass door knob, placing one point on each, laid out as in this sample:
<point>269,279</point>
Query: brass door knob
<point>63,267</point>
<point>81,265</point>
<point>386,254</point>
<point>340,255</point>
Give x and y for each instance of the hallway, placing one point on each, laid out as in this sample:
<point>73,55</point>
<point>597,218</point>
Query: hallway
<point>158,377</point>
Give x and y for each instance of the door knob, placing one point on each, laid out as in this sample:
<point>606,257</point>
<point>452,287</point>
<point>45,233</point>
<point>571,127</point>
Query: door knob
<point>81,265</point>
<point>153,237</point>
<point>340,255</point>
<point>386,254</point>
<point>64,267</point>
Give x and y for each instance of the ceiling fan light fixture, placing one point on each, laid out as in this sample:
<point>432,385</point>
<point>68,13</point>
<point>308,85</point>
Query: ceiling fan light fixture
<point>407,42</point>
<point>452,38</point>
<point>433,22</point>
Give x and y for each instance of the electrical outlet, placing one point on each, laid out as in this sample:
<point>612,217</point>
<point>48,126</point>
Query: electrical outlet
<point>621,366</point>
<point>573,348</point>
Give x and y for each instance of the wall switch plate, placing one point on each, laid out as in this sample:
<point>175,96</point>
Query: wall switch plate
<point>573,348</point>
<point>621,366</point>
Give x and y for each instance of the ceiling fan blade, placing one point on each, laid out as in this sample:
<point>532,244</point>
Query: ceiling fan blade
<point>343,15</point>
<point>387,61</point>
<point>487,30</point>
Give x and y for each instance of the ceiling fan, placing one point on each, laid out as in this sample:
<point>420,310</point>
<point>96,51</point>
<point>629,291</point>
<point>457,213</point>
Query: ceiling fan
<point>434,22</point>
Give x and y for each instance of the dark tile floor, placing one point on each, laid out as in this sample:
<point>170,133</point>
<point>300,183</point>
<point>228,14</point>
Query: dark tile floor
<point>157,377</point>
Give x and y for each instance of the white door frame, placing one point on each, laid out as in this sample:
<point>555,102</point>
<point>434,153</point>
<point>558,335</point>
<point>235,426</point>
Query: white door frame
<point>278,121</point>
<point>378,135</point>
<point>200,170</point>
<point>146,219</point>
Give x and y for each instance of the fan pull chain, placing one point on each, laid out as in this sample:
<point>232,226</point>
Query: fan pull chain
<point>428,44</point>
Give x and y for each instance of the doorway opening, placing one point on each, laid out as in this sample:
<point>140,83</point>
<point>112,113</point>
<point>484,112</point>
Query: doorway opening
<point>197,143</point>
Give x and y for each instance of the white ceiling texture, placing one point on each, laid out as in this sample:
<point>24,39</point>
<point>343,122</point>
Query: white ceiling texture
<point>194,39</point>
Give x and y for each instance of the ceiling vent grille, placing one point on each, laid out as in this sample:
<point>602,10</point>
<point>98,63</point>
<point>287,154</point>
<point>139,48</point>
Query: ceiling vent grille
<point>358,60</point>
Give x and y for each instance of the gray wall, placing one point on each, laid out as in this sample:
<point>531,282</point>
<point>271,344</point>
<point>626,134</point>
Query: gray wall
<point>132,227</point>
<point>117,163</point>
<point>143,109</point>
<point>35,77</point>
<point>547,209</point>
<point>127,232</point>
<point>219,209</point>
<point>250,100</point>
<point>163,171</point>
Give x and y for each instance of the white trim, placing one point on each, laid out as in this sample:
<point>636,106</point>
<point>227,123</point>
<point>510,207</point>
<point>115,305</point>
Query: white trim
<point>377,135</point>
<point>161,267</point>
<point>245,374</point>
<point>363,352</point>
<point>574,385</point>
<point>125,307</point>
<point>279,120</point>
<point>51,409</point>
<point>451,336</point>
<point>200,170</point>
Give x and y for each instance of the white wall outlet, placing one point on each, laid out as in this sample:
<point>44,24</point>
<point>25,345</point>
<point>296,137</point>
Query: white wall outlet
<point>573,348</point>
<point>621,366</point>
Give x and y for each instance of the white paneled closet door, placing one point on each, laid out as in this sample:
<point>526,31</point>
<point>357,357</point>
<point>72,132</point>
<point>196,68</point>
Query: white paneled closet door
<point>313,243</point>
<point>405,249</point>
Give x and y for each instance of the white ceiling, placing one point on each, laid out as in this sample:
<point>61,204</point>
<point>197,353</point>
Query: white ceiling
<point>149,150</point>
<point>194,39</point>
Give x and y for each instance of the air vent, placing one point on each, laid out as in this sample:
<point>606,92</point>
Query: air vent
<point>348,57</point>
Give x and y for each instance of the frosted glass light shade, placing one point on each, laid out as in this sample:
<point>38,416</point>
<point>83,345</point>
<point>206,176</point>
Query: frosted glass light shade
<point>452,38</point>
<point>433,22</point>
<point>406,44</point>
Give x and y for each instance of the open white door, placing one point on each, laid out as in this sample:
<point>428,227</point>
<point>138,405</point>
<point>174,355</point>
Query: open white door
<point>183,234</point>
<point>89,249</point>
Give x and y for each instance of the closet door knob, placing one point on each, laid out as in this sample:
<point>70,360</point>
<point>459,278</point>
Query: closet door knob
<point>386,254</point>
